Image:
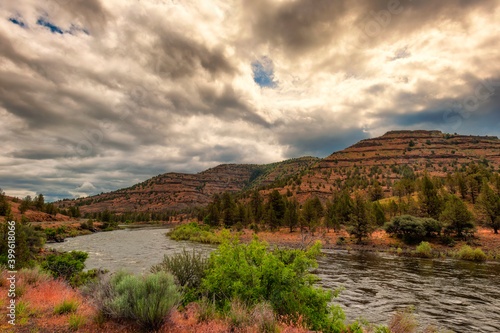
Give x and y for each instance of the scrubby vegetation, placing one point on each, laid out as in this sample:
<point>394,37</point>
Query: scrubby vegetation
<point>467,253</point>
<point>147,300</point>
<point>413,229</point>
<point>194,232</point>
<point>188,268</point>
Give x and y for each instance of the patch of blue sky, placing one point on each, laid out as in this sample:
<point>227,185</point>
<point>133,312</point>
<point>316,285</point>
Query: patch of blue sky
<point>18,21</point>
<point>263,73</point>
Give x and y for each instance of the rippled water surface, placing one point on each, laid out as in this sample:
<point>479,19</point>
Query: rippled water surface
<point>136,248</point>
<point>450,294</point>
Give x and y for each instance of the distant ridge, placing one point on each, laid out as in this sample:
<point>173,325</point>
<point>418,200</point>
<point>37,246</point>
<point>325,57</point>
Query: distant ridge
<point>431,151</point>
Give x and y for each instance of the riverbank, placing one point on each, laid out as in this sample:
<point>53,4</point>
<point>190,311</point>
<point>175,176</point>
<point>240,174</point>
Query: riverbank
<point>379,241</point>
<point>57,232</point>
<point>484,240</point>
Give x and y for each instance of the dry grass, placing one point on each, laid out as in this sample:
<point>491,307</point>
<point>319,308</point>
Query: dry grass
<point>403,322</point>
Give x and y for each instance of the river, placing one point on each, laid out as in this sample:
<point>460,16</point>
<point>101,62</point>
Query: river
<point>450,294</point>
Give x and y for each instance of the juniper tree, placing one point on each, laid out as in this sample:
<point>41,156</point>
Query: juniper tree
<point>456,217</point>
<point>489,202</point>
<point>360,226</point>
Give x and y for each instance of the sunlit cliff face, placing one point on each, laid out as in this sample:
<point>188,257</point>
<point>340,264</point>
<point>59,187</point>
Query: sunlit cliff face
<point>98,95</point>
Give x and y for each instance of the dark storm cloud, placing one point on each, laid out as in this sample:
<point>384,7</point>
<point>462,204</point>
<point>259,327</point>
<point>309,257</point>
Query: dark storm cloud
<point>297,26</point>
<point>475,111</point>
<point>314,136</point>
<point>178,56</point>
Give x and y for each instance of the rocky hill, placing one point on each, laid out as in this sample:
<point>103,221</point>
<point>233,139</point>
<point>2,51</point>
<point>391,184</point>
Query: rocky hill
<point>174,191</point>
<point>382,158</point>
<point>31,214</point>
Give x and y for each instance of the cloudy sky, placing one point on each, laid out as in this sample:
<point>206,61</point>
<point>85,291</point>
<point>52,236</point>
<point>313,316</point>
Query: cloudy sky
<point>97,95</point>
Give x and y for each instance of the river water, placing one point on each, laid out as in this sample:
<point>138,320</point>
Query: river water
<point>449,294</point>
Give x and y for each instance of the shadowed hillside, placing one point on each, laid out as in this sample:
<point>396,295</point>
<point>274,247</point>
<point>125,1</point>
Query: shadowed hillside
<point>180,190</point>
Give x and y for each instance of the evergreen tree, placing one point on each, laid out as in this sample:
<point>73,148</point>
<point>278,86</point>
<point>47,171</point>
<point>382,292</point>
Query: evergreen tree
<point>291,214</point>
<point>378,214</point>
<point>307,215</point>
<point>271,218</point>
<point>393,208</point>
<point>375,192</point>
<point>256,206</point>
<point>451,183</point>
<point>331,220</point>
<point>430,202</point>
<point>359,225</point>
<point>4,204</point>
<point>312,212</point>
<point>213,217</point>
<point>496,181</point>
<point>456,217</point>
<point>25,204</point>
<point>461,184</point>
<point>489,203</point>
<point>344,206</point>
<point>39,202</point>
<point>474,188</point>
<point>51,209</point>
<point>228,210</point>
<point>277,203</point>
<point>28,243</point>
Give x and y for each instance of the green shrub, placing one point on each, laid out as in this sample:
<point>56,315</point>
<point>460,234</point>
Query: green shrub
<point>65,265</point>
<point>195,233</point>
<point>341,241</point>
<point>467,253</point>
<point>188,268</point>
<point>28,243</point>
<point>412,229</point>
<point>147,300</point>
<point>82,278</point>
<point>447,240</point>
<point>66,306</point>
<point>282,277</point>
<point>424,250</point>
<point>76,321</point>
